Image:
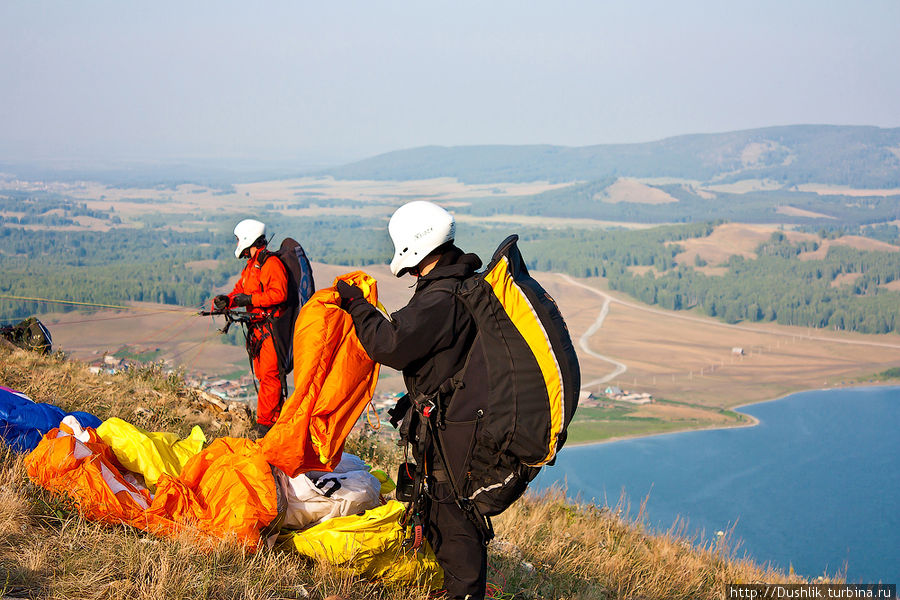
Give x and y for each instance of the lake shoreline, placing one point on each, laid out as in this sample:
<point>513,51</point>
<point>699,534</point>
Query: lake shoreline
<point>809,489</point>
<point>753,421</point>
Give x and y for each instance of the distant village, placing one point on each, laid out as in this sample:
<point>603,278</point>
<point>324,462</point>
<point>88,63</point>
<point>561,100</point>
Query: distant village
<point>613,393</point>
<point>232,390</point>
<point>243,389</point>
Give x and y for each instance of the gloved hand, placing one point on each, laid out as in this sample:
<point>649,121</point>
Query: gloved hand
<point>241,300</point>
<point>349,293</point>
<point>221,302</point>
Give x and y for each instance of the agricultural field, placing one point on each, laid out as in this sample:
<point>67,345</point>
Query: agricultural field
<point>690,358</point>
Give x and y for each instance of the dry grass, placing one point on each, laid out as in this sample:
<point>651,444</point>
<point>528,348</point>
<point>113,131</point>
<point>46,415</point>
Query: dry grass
<point>441,189</point>
<point>725,241</point>
<point>550,222</point>
<point>742,239</point>
<point>679,412</point>
<point>147,397</point>
<point>845,279</point>
<point>546,547</point>
<point>190,200</point>
<point>190,341</point>
<point>743,186</point>
<point>640,270</point>
<point>793,211</point>
<point>826,190</point>
<point>852,241</point>
<point>630,190</point>
<point>585,551</point>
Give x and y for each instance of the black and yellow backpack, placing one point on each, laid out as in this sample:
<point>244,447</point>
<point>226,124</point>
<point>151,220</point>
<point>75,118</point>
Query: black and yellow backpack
<point>504,415</point>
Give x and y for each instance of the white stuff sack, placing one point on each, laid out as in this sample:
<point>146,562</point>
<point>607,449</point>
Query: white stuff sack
<point>316,496</point>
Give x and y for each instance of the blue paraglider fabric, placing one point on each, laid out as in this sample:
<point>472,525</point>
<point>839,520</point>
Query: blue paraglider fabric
<point>23,422</point>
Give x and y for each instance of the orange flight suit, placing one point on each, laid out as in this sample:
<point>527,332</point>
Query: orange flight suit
<point>266,284</point>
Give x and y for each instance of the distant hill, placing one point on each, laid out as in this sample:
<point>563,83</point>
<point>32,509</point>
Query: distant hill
<point>858,156</point>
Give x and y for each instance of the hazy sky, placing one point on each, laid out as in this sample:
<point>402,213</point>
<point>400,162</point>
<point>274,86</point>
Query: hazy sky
<point>345,79</point>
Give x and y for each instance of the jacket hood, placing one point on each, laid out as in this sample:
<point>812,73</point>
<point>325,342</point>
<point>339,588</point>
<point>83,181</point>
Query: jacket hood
<point>454,263</point>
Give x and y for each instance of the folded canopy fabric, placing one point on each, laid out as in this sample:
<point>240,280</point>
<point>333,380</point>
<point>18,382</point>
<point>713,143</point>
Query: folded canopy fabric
<point>88,472</point>
<point>370,545</point>
<point>23,422</point>
<point>150,453</point>
<point>334,380</point>
<point>227,491</point>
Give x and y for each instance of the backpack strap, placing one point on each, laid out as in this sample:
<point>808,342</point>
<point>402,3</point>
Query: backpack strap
<point>281,352</point>
<point>421,429</point>
<point>471,511</point>
<point>398,412</point>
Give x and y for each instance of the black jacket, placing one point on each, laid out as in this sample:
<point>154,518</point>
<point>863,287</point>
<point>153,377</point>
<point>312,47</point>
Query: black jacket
<point>429,338</point>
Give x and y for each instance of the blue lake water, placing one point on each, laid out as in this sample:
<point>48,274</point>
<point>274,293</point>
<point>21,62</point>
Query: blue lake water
<point>815,485</point>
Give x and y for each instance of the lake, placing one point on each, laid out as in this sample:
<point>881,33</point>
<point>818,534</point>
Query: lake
<point>815,485</point>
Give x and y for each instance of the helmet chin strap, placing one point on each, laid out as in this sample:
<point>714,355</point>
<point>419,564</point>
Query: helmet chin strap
<point>250,252</point>
<point>425,267</point>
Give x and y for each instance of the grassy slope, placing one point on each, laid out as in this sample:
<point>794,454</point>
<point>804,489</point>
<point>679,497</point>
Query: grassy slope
<point>546,547</point>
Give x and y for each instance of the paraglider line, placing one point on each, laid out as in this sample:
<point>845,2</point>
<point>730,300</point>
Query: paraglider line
<point>75,303</point>
<point>55,323</point>
<point>198,346</point>
<point>166,328</point>
<point>371,407</point>
<point>189,363</point>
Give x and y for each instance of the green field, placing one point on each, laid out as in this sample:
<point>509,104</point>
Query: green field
<point>620,420</point>
<point>140,356</point>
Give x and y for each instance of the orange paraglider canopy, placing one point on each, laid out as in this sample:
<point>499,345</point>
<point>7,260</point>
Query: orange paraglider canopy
<point>334,380</point>
<point>228,491</point>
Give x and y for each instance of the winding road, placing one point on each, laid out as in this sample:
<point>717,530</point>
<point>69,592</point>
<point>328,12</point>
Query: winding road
<point>620,368</point>
<point>584,342</point>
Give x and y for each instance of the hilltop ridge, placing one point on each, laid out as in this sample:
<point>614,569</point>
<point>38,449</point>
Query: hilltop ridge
<point>861,156</point>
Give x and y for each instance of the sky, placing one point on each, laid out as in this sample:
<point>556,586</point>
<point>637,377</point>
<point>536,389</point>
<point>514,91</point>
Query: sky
<point>335,80</point>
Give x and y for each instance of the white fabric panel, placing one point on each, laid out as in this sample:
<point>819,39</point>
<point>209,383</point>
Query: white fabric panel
<point>316,497</point>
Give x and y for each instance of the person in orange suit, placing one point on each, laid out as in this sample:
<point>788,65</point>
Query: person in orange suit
<point>262,289</point>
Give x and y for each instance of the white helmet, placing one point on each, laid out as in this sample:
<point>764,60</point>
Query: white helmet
<point>247,232</point>
<point>417,228</point>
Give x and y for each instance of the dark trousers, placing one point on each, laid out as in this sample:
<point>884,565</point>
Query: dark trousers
<point>458,545</point>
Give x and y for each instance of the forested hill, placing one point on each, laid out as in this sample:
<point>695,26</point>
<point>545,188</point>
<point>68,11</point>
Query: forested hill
<point>858,156</point>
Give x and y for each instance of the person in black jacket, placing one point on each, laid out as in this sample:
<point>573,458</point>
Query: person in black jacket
<point>429,340</point>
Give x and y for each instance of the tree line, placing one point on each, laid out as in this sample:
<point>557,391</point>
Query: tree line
<point>777,286</point>
<point>154,263</point>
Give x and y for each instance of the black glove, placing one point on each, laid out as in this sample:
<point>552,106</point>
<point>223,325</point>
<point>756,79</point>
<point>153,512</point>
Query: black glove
<point>241,300</point>
<point>349,293</point>
<point>221,302</point>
